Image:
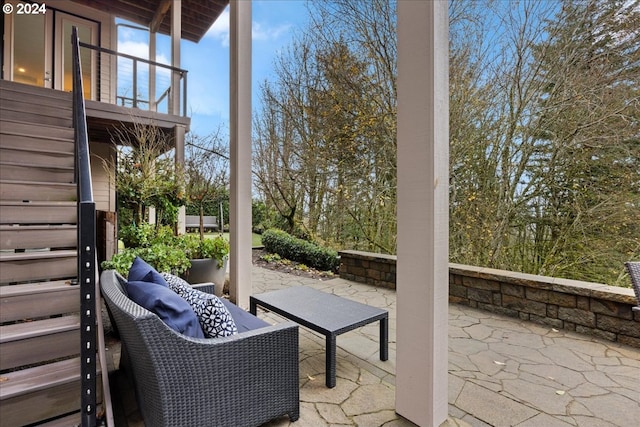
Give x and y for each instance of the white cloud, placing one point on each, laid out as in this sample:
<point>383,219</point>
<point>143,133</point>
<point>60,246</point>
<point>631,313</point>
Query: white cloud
<point>220,29</point>
<point>262,32</point>
<point>140,50</point>
<point>259,31</point>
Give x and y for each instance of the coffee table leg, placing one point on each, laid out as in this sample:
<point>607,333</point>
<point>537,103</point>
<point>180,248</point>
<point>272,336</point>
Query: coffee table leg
<point>330,364</point>
<point>252,306</point>
<point>384,338</point>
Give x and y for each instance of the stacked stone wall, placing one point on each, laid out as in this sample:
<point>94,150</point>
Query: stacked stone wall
<point>588,308</point>
<point>367,267</point>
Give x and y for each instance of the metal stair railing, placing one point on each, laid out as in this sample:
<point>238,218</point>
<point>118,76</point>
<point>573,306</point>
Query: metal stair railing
<point>87,260</point>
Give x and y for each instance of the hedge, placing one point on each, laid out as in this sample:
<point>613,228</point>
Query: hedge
<point>294,249</point>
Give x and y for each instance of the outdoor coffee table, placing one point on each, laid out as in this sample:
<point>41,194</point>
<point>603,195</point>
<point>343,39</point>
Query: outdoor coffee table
<point>324,313</point>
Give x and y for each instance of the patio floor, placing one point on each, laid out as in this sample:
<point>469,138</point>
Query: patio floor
<point>502,371</point>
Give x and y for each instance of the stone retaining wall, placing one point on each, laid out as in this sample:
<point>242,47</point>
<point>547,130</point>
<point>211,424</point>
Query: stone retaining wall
<point>589,308</point>
<point>367,267</point>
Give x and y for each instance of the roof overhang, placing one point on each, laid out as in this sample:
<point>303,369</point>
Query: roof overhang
<point>197,15</point>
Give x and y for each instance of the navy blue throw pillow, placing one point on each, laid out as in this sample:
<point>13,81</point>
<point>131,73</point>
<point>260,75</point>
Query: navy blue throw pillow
<point>174,311</point>
<point>140,271</point>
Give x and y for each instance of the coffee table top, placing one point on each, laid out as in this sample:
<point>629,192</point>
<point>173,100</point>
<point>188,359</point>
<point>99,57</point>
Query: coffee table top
<point>328,313</point>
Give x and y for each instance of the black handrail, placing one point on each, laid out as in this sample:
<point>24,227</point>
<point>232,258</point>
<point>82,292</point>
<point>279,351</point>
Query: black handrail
<point>135,59</point>
<point>86,245</point>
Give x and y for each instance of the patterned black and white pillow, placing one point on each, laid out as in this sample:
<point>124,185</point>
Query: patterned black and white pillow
<point>215,319</point>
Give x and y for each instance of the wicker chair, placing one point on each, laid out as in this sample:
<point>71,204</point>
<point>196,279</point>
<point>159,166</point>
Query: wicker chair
<point>241,380</point>
<point>634,272</point>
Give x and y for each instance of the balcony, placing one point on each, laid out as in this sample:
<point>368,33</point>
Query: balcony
<point>129,89</point>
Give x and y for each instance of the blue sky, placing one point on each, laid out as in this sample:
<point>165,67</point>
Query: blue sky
<point>274,24</point>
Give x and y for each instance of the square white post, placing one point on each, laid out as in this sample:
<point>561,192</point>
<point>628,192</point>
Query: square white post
<point>176,36</point>
<point>152,70</point>
<point>240,167</point>
<point>179,132</point>
<point>423,212</point>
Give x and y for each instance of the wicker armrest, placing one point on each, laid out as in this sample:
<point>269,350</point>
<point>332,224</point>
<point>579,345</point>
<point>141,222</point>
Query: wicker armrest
<point>207,287</point>
<point>634,273</point>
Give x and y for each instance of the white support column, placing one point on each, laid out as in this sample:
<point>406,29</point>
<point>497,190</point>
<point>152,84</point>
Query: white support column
<point>423,212</point>
<point>176,35</point>
<point>179,132</point>
<point>240,134</point>
<point>152,71</point>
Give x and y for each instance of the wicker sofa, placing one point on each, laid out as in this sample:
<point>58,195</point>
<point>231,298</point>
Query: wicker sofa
<point>241,380</point>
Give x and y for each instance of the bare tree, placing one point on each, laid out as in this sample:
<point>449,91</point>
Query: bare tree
<point>206,173</point>
<point>544,128</point>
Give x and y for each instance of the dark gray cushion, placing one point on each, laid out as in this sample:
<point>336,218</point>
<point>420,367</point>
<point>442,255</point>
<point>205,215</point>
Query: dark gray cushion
<point>245,321</point>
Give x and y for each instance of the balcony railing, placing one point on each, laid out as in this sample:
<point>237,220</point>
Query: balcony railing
<point>139,83</point>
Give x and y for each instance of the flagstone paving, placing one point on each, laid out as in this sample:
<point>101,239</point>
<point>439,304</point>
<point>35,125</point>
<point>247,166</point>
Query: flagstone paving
<point>502,371</point>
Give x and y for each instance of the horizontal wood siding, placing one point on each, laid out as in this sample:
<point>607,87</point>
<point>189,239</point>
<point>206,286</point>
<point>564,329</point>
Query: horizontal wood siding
<point>104,193</point>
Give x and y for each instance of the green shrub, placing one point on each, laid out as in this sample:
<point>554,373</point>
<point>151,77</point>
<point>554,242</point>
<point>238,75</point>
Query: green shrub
<point>163,250</point>
<point>160,256</point>
<point>216,247</point>
<point>290,247</point>
<point>156,245</point>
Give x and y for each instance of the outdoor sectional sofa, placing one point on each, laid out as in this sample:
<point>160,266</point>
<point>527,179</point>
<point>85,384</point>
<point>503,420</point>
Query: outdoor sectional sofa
<point>244,379</point>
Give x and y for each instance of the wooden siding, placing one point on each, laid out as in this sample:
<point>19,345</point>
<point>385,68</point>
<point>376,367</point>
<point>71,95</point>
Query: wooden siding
<point>104,193</point>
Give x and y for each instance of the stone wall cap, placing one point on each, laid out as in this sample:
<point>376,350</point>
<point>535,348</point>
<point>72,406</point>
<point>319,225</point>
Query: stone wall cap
<point>369,256</point>
<point>557,284</point>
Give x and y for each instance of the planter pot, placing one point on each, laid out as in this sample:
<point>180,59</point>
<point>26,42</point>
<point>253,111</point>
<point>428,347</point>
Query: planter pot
<point>207,270</point>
